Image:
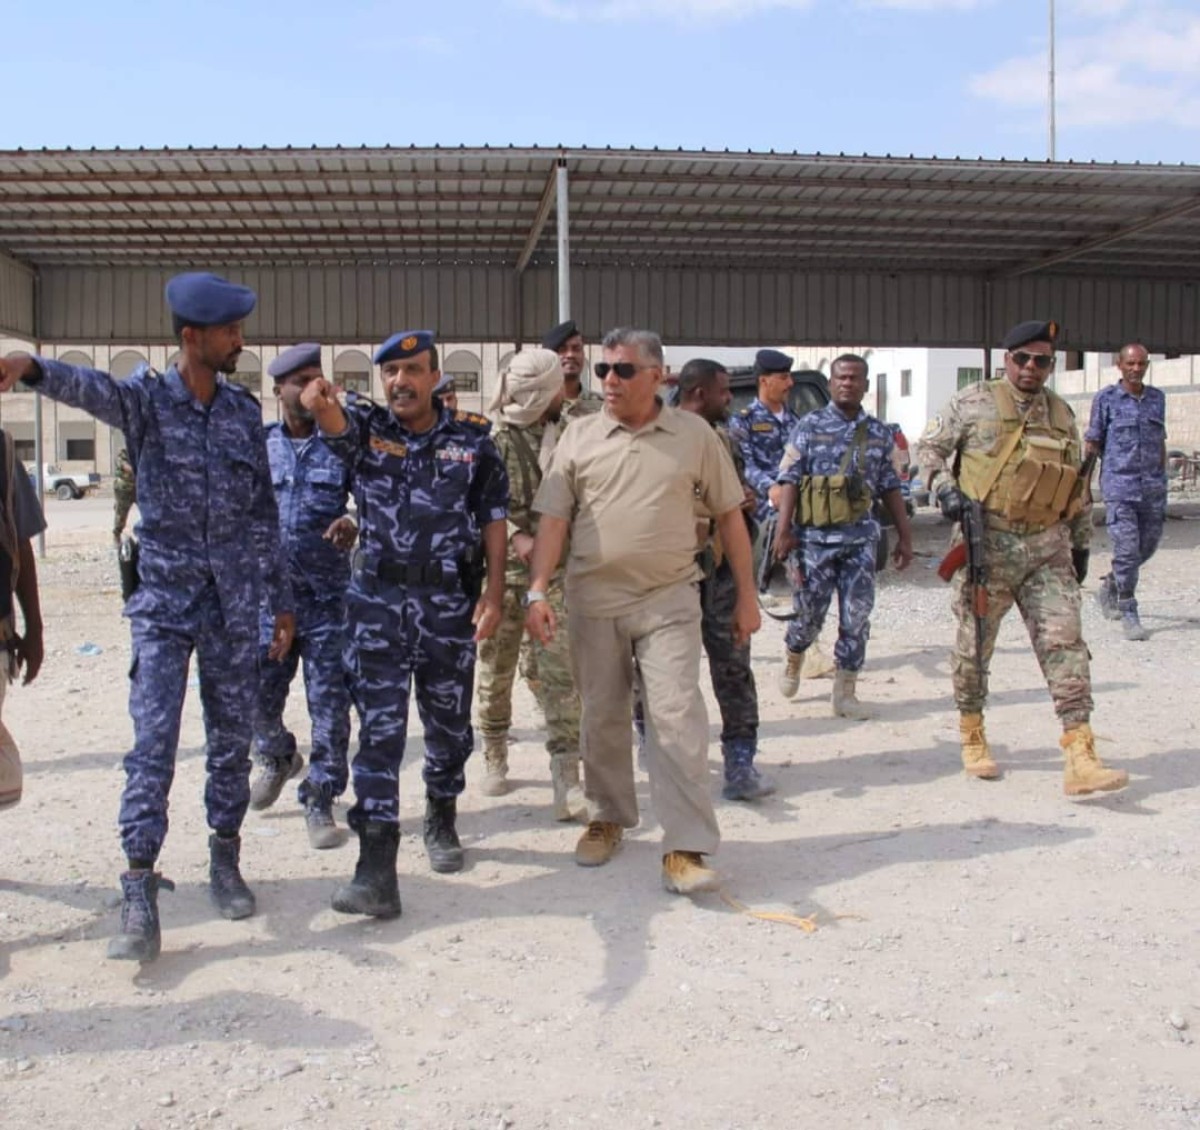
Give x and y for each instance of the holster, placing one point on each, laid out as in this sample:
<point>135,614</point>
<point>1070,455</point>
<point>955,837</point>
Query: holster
<point>472,566</point>
<point>127,561</point>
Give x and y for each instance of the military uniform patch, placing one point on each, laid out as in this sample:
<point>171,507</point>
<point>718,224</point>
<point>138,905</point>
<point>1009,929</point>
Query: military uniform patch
<point>388,447</point>
<point>934,426</point>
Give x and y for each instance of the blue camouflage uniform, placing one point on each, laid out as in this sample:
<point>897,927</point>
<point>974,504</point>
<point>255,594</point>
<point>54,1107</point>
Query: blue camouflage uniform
<point>761,436</point>
<point>209,555</point>
<point>841,557</point>
<point>312,486</point>
<point>1131,433</point>
<point>423,501</point>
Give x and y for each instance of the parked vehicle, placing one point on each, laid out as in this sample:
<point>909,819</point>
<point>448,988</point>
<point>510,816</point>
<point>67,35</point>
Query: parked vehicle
<point>68,484</point>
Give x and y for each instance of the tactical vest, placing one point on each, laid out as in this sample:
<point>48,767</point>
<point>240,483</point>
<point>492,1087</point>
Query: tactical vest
<point>1030,477</point>
<point>835,500</point>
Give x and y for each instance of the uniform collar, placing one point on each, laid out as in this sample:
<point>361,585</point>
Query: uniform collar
<point>665,421</point>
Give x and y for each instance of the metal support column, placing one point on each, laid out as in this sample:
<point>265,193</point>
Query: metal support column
<point>39,455</point>
<point>564,240</point>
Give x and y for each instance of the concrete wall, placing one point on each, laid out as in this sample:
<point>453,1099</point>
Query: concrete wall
<point>1179,378</point>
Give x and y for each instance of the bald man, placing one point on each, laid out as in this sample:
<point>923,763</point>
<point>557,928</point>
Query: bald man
<point>1128,433</point>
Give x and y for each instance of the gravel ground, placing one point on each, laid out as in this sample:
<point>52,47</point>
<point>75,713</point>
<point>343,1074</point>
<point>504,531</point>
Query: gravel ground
<point>987,954</point>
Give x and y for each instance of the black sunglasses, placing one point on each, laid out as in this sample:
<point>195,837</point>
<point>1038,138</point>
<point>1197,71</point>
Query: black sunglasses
<point>626,370</point>
<point>1040,360</point>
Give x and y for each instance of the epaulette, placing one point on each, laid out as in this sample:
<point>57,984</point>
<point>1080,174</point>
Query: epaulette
<point>744,412</point>
<point>475,420</point>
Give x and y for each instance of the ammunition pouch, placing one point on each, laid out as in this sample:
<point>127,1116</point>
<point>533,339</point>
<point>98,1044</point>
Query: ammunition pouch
<point>831,500</point>
<point>836,500</point>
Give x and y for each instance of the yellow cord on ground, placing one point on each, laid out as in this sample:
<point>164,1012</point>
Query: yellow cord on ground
<point>805,924</point>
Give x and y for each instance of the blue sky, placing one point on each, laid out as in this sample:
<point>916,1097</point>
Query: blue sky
<point>930,77</point>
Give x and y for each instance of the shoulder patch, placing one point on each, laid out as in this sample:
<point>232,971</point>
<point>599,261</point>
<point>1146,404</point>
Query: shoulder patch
<point>473,419</point>
<point>934,426</point>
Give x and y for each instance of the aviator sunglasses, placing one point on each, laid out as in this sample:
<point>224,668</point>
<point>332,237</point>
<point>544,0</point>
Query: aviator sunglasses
<point>626,370</point>
<point>1040,360</point>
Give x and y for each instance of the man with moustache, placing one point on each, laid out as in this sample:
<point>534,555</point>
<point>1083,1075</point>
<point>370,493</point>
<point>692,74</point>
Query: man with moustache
<point>566,340</point>
<point>312,488</point>
<point>761,430</point>
<point>432,501</point>
<point>623,486</point>
<point>1128,433</point>
<point>1011,447</point>
<point>209,555</point>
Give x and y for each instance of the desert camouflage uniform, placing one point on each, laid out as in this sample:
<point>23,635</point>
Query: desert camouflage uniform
<point>584,405</point>
<point>1027,566</point>
<point>546,667</point>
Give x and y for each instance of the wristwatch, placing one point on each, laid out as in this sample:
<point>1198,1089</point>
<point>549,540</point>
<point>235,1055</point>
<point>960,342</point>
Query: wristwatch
<point>532,597</point>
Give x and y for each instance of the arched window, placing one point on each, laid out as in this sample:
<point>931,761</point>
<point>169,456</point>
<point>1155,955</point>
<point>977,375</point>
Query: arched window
<point>352,371</point>
<point>76,439</point>
<point>465,368</point>
<point>506,360</point>
<point>126,363</point>
<point>174,359</point>
<point>249,373</point>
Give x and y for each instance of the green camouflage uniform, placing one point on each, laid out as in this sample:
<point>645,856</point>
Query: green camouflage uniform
<point>586,403</point>
<point>546,667</point>
<point>1027,566</point>
<point>124,492</point>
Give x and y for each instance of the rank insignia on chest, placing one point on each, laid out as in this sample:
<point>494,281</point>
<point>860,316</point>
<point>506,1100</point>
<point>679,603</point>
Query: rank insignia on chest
<point>762,427</point>
<point>455,454</point>
<point>388,447</point>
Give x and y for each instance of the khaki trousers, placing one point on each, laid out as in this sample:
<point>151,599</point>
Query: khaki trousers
<point>10,758</point>
<point>664,637</point>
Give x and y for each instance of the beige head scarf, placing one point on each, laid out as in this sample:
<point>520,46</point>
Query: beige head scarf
<point>531,381</point>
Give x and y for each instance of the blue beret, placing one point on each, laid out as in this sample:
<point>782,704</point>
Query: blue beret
<point>772,361</point>
<point>306,355</point>
<point>446,382</point>
<point>1026,332</point>
<point>407,343</point>
<point>556,338</point>
<point>200,299</point>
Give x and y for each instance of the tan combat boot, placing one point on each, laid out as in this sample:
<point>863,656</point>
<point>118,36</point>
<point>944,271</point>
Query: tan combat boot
<point>844,700</point>
<point>789,676</point>
<point>976,755</point>
<point>495,760</point>
<point>1083,772</point>
<point>569,801</point>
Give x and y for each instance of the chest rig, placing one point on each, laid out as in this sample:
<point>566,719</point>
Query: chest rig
<point>1029,478</point>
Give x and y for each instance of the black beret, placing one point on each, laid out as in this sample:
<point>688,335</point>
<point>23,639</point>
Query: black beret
<point>556,338</point>
<point>772,361</point>
<point>1025,332</point>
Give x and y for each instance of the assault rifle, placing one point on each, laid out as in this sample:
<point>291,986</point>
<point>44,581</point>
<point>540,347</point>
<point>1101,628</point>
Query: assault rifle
<point>969,553</point>
<point>767,566</point>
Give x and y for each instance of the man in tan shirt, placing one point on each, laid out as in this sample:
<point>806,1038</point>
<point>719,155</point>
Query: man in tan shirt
<point>623,485</point>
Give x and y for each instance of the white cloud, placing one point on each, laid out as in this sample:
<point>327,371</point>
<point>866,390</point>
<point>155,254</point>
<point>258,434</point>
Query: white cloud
<point>1127,65</point>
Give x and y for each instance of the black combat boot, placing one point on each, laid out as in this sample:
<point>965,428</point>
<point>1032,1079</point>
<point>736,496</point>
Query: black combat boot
<point>228,889</point>
<point>140,938</point>
<point>441,840</point>
<point>373,890</point>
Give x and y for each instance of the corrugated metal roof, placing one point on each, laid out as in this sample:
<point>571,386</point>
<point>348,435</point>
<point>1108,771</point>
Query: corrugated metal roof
<point>628,208</point>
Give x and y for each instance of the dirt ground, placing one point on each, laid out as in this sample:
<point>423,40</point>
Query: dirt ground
<point>988,954</point>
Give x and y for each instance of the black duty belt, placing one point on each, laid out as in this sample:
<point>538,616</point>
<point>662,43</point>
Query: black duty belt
<point>428,573</point>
